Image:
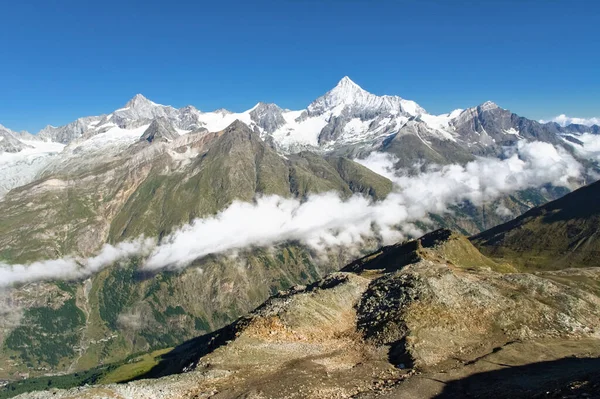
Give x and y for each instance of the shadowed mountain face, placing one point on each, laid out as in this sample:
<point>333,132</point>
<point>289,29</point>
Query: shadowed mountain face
<point>159,130</point>
<point>563,233</point>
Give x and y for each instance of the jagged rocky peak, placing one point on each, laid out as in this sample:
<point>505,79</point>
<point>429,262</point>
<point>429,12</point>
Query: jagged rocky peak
<point>189,109</point>
<point>69,132</point>
<point>237,125</point>
<point>268,116</point>
<point>139,111</point>
<point>238,131</point>
<point>139,101</point>
<point>263,107</point>
<point>223,111</point>
<point>353,100</point>
<point>9,140</point>
<point>489,106</point>
<point>346,92</point>
<point>348,87</point>
<point>188,118</point>
<point>160,130</point>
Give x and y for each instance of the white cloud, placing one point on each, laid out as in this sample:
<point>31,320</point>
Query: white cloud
<point>502,210</point>
<point>71,268</point>
<point>590,147</point>
<point>325,220</point>
<point>565,120</point>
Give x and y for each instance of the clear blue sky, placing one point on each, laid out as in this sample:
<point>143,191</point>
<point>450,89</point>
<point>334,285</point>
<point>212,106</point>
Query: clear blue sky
<point>65,59</point>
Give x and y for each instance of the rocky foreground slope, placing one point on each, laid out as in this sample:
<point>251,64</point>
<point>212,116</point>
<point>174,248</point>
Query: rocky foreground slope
<point>412,320</point>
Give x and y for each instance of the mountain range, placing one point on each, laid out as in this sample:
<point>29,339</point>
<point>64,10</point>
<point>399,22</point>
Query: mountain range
<point>346,120</point>
<point>154,171</point>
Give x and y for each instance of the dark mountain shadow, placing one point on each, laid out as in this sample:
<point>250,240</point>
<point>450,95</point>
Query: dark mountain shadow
<point>185,357</point>
<point>394,257</point>
<point>564,378</point>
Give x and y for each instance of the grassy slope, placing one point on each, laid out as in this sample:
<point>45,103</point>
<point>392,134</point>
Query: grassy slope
<point>563,233</point>
<point>155,194</point>
<point>236,166</point>
<point>129,311</point>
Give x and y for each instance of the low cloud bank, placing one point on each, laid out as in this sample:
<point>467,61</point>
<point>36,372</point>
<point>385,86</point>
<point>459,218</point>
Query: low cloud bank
<point>73,268</point>
<point>326,220</point>
<point>565,120</point>
<point>589,147</point>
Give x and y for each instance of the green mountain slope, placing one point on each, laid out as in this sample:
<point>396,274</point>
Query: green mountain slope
<point>154,188</point>
<point>123,310</point>
<point>563,233</point>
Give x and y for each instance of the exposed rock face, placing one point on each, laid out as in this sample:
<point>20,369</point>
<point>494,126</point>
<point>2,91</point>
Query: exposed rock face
<point>69,132</point>
<point>360,103</point>
<point>428,305</point>
<point>107,187</point>
<point>346,121</point>
<point>348,101</point>
<point>573,128</point>
<point>189,118</point>
<point>416,143</point>
<point>9,141</point>
<point>138,111</point>
<point>269,117</point>
<point>160,130</point>
<point>489,126</point>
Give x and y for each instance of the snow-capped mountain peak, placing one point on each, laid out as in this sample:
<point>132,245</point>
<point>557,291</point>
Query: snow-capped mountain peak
<point>488,105</point>
<point>350,98</point>
<point>347,85</point>
<point>139,101</point>
<point>138,111</point>
<point>222,111</point>
<point>346,92</point>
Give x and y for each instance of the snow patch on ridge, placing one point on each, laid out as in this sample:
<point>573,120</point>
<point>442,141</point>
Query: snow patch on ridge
<point>17,169</point>
<point>299,131</point>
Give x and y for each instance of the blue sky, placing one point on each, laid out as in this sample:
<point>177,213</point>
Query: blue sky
<point>66,59</point>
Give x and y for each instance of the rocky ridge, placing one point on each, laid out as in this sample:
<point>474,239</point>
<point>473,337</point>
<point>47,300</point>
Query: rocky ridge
<point>384,323</point>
